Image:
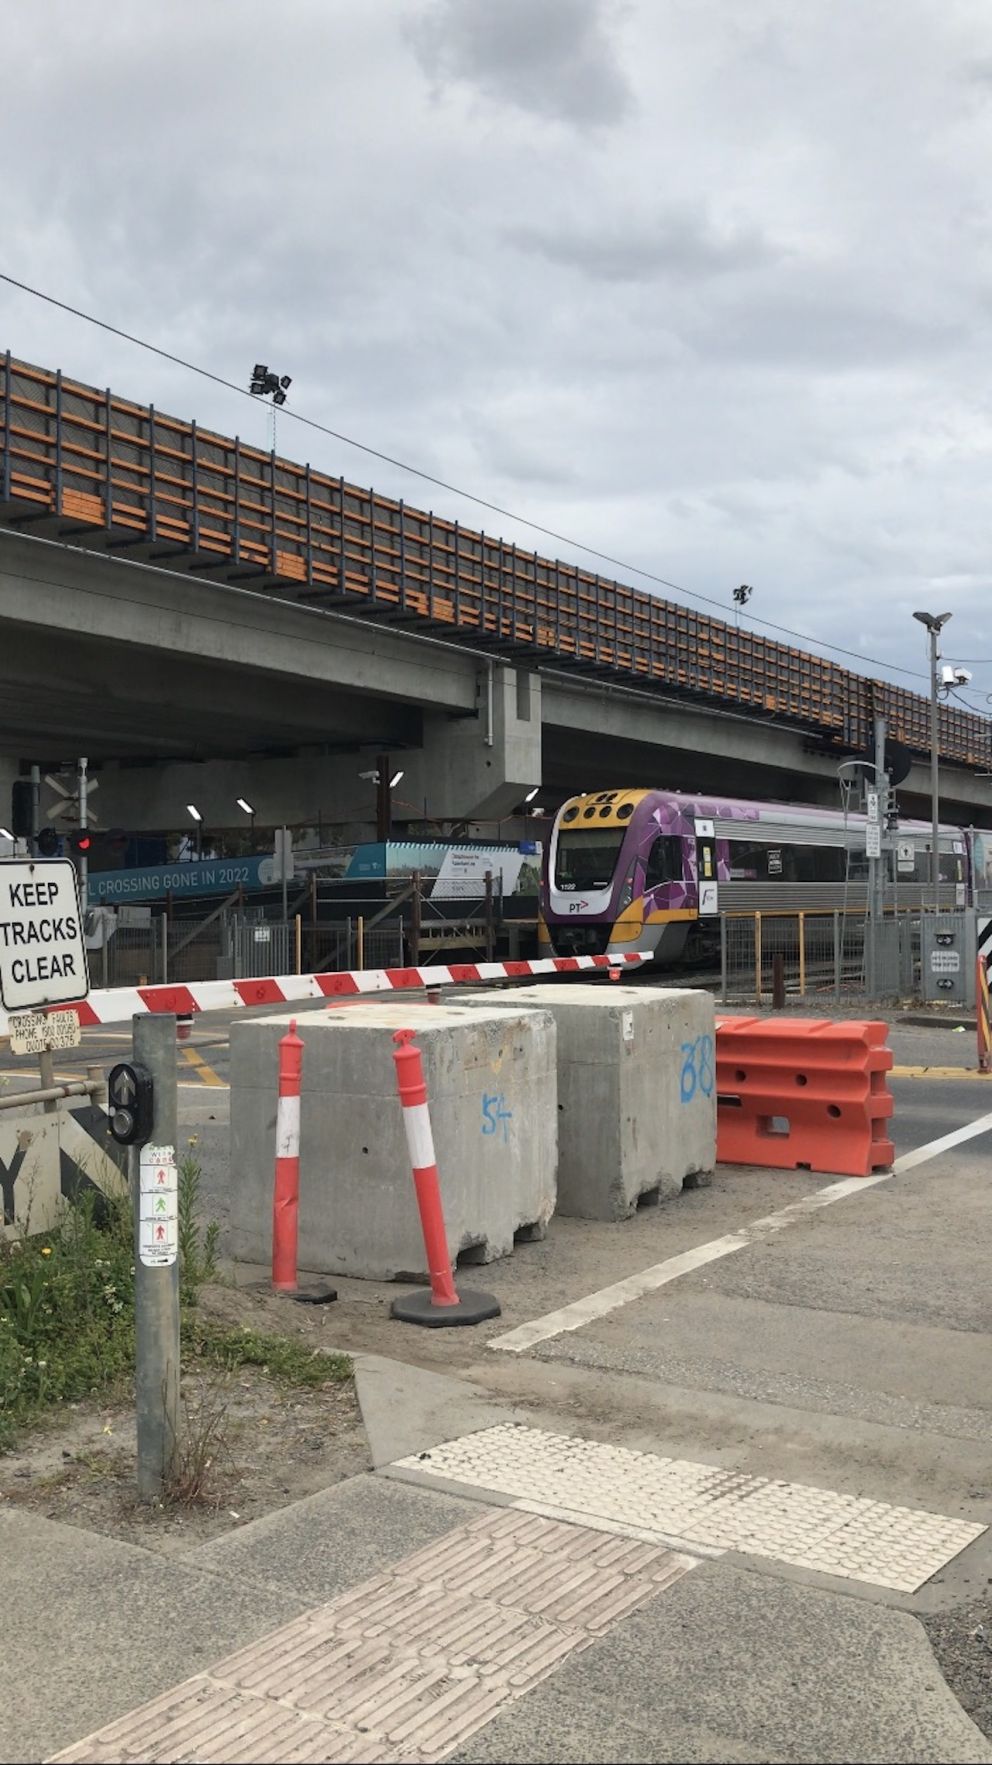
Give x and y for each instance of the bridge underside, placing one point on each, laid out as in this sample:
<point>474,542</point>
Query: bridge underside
<point>180,690</point>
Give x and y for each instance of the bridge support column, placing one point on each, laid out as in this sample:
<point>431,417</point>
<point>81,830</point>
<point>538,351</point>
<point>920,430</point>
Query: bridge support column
<point>481,767</point>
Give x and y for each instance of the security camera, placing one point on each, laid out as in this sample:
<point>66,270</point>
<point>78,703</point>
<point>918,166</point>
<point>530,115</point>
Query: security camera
<point>954,676</point>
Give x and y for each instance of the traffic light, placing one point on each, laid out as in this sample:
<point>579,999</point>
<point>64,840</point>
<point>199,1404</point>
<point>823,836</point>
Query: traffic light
<point>22,809</point>
<point>80,840</point>
<point>48,842</point>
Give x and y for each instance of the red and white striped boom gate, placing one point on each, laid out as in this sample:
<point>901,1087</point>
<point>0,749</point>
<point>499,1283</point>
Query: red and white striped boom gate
<point>120,1004</point>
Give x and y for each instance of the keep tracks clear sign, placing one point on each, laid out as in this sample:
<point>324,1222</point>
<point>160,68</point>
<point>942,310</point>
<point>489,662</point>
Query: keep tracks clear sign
<point>42,953</point>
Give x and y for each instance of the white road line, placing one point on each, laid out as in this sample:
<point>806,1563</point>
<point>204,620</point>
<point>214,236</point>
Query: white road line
<point>923,1154</point>
<point>596,1305</point>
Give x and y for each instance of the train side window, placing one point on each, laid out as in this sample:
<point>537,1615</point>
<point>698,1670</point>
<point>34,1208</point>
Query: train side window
<point>750,861</point>
<point>664,861</point>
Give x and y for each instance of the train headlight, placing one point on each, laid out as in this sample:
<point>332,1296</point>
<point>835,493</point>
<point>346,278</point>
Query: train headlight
<point>627,892</point>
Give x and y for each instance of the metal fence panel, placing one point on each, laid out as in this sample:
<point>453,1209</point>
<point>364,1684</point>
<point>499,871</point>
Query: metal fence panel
<point>133,956</point>
<point>261,948</point>
<point>824,955</point>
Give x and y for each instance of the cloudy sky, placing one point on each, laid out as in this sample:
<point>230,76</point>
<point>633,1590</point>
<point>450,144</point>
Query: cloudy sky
<point>704,284</point>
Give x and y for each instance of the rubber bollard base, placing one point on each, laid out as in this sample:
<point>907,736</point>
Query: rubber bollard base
<point>317,1295</point>
<point>472,1308</point>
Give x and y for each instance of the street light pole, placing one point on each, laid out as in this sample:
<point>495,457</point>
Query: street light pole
<point>934,623</point>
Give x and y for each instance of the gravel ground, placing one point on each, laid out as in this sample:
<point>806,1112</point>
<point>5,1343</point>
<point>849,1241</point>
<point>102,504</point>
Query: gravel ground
<point>961,1640</point>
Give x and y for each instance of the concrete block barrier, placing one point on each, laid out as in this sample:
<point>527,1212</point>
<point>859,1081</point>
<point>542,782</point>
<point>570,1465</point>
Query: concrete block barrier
<point>492,1084</point>
<point>636,1091</point>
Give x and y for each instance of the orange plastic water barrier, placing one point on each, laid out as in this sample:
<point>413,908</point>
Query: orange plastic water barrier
<point>803,1094</point>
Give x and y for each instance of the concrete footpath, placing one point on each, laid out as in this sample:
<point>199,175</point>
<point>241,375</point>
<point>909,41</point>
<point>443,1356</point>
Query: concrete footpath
<point>702,1492</point>
<point>386,1621</point>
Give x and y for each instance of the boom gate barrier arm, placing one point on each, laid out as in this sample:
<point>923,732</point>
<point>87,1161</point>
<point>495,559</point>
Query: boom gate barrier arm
<point>121,1004</point>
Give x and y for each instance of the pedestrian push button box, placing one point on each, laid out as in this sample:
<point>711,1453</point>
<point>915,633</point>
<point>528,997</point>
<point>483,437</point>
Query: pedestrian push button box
<point>129,1099</point>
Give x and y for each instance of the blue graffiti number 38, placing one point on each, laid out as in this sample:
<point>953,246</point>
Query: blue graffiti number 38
<point>697,1068</point>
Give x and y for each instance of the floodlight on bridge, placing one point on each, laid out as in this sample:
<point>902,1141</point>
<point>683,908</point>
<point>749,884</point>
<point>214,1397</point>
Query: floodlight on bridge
<point>394,781</point>
<point>529,798</point>
<point>264,381</point>
<point>5,834</point>
<point>244,804</point>
<point>191,809</point>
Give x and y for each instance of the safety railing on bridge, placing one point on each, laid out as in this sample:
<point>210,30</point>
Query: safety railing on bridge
<point>104,471</point>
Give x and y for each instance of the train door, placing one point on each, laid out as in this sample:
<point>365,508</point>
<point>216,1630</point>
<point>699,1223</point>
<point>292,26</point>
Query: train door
<point>706,869</point>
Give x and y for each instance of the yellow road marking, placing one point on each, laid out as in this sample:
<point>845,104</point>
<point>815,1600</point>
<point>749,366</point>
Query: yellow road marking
<point>937,1072</point>
<point>204,1073</point>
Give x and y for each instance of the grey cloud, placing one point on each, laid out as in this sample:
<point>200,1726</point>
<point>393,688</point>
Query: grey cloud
<point>743,339</point>
<point>683,246</point>
<point>818,328</point>
<point>553,58</point>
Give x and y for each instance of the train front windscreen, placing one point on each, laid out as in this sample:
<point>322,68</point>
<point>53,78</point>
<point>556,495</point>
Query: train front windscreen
<point>587,857</point>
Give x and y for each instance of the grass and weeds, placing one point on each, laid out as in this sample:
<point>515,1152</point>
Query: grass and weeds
<point>197,1246</point>
<point>66,1312</point>
<point>285,1359</point>
<point>67,1319</point>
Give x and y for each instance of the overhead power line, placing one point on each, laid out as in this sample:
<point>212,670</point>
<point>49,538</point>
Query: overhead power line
<point>453,489</point>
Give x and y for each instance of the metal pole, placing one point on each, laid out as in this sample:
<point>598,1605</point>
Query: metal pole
<point>35,808</point>
<point>934,773</point>
<point>46,1068</point>
<point>723,959</point>
<point>384,807</point>
<point>156,1286</point>
<point>285,879</point>
<point>83,824</point>
<point>802,955</point>
<point>490,926</point>
<point>875,871</point>
<point>52,1095</point>
<point>97,1076</point>
<point>416,919</point>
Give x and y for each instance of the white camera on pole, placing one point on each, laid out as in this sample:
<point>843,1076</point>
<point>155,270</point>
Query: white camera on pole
<point>951,676</point>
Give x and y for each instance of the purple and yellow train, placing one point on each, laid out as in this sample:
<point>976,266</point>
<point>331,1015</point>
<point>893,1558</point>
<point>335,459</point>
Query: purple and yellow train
<point>653,870</point>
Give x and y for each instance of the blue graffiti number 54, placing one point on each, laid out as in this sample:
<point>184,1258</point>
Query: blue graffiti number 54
<point>495,1115</point>
<point>697,1068</point>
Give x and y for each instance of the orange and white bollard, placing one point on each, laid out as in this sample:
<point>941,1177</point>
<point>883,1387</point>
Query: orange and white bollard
<point>443,1306</point>
<point>286,1194</point>
<point>982,1016</point>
